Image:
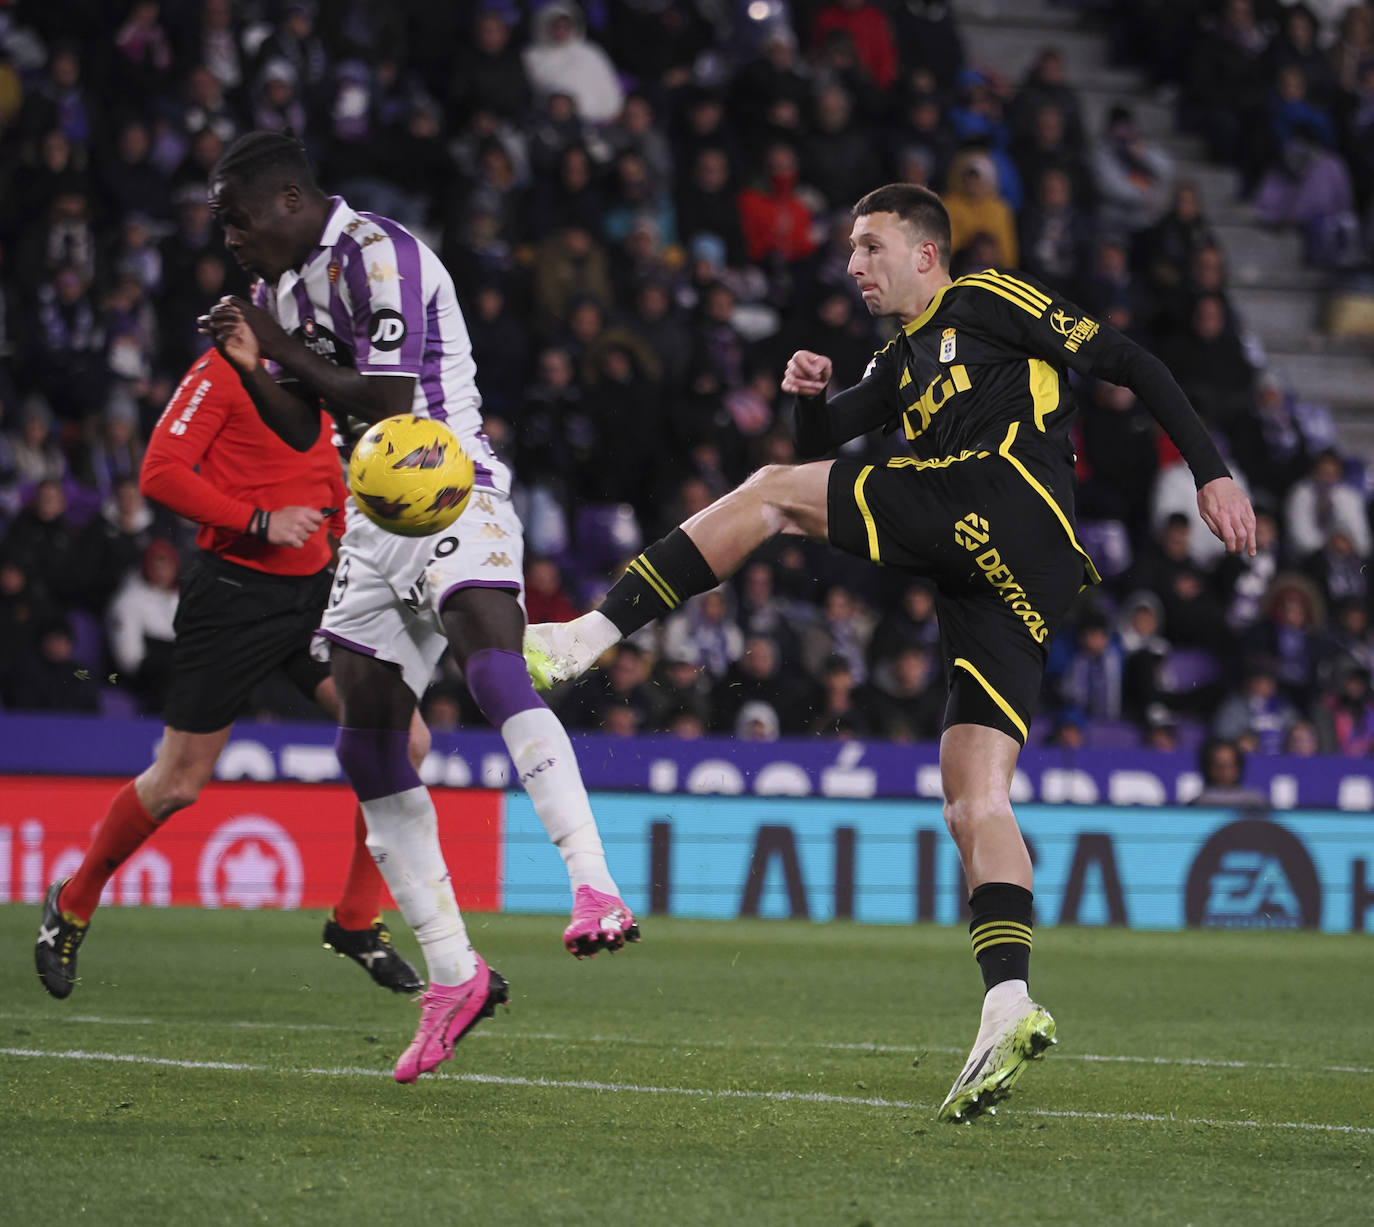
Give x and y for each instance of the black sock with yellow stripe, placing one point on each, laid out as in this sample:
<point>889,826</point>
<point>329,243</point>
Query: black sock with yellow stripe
<point>1001,931</point>
<point>656,582</point>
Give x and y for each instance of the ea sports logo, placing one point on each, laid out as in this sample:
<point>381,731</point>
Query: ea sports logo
<point>971,532</point>
<point>1253,874</point>
<point>250,862</point>
<point>388,330</point>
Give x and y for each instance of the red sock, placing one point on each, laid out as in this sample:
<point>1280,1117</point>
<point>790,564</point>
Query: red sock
<point>360,903</point>
<point>122,833</point>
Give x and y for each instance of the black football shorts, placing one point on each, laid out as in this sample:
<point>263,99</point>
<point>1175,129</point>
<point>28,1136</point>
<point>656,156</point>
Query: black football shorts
<point>234,627</point>
<point>999,551</point>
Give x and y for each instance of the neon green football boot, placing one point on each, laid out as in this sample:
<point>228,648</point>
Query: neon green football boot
<point>1006,1044</point>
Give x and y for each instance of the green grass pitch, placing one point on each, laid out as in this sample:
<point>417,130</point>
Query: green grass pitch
<point>754,1073</point>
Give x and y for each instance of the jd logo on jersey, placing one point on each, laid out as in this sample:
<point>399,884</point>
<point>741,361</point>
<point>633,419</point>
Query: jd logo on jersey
<point>388,330</point>
<point>972,531</point>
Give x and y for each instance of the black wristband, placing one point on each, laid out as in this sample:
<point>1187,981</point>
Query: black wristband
<point>258,522</point>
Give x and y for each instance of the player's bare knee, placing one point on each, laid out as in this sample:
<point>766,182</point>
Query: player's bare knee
<point>963,815</point>
<point>163,796</point>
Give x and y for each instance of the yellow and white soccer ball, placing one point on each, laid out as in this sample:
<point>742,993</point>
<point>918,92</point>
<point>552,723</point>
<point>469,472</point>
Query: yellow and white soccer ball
<point>410,475</point>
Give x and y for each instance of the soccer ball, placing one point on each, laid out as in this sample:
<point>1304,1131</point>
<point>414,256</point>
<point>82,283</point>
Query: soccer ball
<point>409,475</point>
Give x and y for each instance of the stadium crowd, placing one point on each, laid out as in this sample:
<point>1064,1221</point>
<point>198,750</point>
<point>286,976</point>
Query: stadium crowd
<point>644,205</point>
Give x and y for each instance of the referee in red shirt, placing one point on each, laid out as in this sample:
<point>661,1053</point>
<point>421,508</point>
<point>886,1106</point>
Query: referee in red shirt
<point>250,602</point>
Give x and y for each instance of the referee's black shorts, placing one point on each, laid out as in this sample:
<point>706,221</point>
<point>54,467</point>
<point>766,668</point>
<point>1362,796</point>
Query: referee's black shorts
<point>1000,554</point>
<point>234,627</point>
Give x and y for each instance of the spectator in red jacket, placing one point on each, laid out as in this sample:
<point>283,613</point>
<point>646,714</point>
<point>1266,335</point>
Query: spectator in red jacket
<point>871,31</point>
<point>776,222</point>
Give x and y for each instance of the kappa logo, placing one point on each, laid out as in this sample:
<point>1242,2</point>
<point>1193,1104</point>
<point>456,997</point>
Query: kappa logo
<point>492,532</point>
<point>972,531</point>
<point>383,270</point>
<point>495,559</point>
<point>369,239</point>
<point>388,330</point>
<point>484,504</point>
<point>355,225</point>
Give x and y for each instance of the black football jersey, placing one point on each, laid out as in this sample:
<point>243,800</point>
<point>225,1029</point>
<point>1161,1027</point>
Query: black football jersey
<point>985,368</point>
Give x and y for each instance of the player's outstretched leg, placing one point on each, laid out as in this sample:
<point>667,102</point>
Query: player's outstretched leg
<point>708,548</point>
<point>976,765</point>
<point>654,584</point>
<point>544,761</point>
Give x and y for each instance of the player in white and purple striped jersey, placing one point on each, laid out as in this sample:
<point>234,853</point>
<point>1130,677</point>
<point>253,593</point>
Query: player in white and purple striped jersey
<point>354,311</point>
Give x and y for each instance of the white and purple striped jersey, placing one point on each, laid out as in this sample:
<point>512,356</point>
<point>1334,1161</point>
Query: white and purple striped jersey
<point>373,297</point>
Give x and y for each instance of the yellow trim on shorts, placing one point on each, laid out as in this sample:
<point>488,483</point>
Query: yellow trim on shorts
<point>1044,390</point>
<point>942,462</point>
<point>961,663</point>
<point>1005,452</point>
<point>862,504</point>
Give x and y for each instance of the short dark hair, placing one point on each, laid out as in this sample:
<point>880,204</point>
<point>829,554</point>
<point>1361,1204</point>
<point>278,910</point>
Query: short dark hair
<point>917,206</point>
<point>266,161</point>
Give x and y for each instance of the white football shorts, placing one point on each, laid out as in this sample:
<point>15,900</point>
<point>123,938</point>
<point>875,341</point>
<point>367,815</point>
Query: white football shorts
<point>388,589</point>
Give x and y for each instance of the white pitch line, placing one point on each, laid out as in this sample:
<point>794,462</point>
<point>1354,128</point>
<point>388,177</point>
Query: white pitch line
<point>630,1088</point>
<point>627,1041</point>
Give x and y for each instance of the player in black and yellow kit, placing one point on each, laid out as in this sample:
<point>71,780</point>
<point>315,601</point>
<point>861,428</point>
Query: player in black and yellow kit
<point>977,379</point>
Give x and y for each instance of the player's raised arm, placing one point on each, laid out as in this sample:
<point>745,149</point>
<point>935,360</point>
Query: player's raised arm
<point>821,425</point>
<point>1066,334</point>
<point>341,387</point>
<point>294,420</point>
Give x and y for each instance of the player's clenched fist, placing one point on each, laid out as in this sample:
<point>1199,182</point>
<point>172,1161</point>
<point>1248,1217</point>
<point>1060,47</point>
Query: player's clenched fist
<point>807,374</point>
<point>293,526</point>
<point>232,336</point>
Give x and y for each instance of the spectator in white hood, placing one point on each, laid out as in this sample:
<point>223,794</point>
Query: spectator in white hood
<point>562,60</point>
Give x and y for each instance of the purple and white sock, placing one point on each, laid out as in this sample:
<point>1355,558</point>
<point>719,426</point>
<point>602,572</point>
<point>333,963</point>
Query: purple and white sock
<point>403,837</point>
<point>544,763</point>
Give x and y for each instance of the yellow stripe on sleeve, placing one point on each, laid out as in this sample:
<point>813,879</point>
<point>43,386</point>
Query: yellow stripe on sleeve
<point>1002,290</point>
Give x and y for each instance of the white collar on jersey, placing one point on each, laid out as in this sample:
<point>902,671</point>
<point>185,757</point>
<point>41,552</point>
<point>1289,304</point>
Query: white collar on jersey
<point>339,217</point>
